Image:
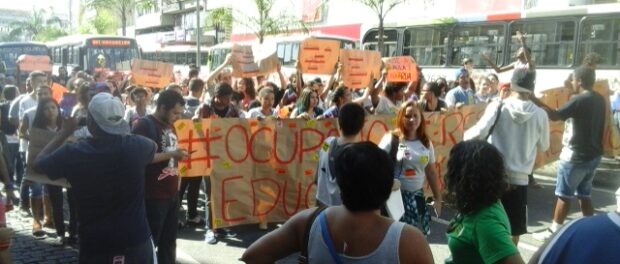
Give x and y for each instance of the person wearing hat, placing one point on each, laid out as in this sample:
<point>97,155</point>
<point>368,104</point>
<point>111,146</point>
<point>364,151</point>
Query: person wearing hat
<point>518,129</point>
<point>107,175</point>
<point>462,94</point>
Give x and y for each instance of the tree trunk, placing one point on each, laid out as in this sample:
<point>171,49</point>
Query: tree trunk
<point>380,36</point>
<point>124,23</point>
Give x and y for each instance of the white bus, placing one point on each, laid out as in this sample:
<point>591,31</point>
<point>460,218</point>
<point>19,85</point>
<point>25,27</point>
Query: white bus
<point>559,40</point>
<point>179,55</point>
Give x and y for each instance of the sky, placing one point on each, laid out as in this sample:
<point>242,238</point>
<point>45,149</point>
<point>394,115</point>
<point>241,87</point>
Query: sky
<point>60,6</point>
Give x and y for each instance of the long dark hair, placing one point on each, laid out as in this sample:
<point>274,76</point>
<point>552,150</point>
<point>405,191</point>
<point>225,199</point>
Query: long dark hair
<point>39,118</point>
<point>303,103</point>
<point>476,175</point>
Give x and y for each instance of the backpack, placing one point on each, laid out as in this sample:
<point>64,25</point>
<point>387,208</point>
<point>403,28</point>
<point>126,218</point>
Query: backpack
<point>151,129</point>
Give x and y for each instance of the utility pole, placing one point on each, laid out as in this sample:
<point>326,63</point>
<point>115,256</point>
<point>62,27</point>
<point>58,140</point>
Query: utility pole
<point>198,32</point>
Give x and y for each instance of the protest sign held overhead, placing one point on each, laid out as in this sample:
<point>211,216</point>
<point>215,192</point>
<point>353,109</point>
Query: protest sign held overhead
<point>357,66</point>
<point>401,69</point>
<point>28,63</point>
<point>151,73</point>
<point>250,61</point>
<point>318,56</point>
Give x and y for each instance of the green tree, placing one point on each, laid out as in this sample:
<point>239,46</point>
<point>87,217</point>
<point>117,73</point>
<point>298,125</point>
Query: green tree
<point>39,26</point>
<point>381,9</point>
<point>220,19</point>
<point>267,23</point>
<point>102,23</point>
<point>122,8</point>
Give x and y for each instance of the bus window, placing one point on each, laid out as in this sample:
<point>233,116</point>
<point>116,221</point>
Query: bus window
<point>552,43</point>
<point>472,40</point>
<point>390,37</point>
<point>428,46</point>
<point>601,35</point>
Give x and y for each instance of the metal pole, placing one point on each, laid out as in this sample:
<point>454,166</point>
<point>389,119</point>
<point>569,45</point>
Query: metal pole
<point>198,33</point>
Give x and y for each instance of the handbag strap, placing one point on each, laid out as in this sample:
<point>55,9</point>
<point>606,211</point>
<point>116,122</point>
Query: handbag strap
<point>499,112</point>
<point>328,240</point>
<point>303,257</point>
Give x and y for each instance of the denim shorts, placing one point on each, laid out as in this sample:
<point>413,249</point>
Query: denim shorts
<point>575,179</point>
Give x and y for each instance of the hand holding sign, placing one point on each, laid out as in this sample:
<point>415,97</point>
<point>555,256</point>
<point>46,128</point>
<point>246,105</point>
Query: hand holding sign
<point>318,56</point>
<point>151,73</point>
<point>248,61</point>
<point>401,69</point>
<point>359,66</point>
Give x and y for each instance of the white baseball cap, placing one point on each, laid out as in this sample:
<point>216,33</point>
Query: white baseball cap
<point>108,112</point>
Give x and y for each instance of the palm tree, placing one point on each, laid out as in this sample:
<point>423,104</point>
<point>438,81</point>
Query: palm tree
<point>39,26</point>
<point>267,23</point>
<point>220,19</point>
<point>123,8</point>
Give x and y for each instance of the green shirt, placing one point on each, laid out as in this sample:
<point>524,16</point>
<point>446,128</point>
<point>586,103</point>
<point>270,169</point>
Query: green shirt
<point>481,237</point>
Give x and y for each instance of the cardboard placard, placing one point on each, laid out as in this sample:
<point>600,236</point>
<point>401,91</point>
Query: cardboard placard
<point>358,65</point>
<point>151,73</point>
<point>401,69</point>
<point>57,91</point>
<point>28,63</point>
<point>266,169</point>
<point>319,56</point>
<point>39,138</point>
<point>249,61</point>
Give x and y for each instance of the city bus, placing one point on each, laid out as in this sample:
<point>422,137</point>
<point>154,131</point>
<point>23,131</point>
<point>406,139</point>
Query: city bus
<point>179,55</point>
<point>559,40</point>
<point>10,51</point>
<point>287,49</point>
<point>93,53</point>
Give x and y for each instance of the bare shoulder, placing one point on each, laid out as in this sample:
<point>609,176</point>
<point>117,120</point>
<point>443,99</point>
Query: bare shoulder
<point>411,237</point>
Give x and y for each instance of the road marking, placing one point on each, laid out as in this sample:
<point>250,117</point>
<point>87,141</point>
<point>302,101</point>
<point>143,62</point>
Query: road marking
<point>527,246</point>
<point>184,258</point>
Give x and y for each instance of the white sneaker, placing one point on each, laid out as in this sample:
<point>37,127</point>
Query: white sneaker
<point>210,237</point>
<point>543,235</point>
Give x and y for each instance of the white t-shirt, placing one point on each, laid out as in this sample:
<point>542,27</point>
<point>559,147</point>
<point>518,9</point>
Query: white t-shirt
<point>28,114</point>
<point>258,112</point>
<point>412,157</point>
<point>27,102</point>
<point>385,106</point>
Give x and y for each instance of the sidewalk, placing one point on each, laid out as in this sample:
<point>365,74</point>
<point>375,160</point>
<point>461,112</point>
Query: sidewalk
<point>25,249</point>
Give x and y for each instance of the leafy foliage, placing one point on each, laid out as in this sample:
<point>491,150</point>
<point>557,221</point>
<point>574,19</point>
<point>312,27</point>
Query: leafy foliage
<point>267,23</point>
<point>121,8</point>
<point>381,9</point>
<point>39,26</point>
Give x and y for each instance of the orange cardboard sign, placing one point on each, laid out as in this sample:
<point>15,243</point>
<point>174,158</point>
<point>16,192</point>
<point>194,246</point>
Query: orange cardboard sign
<point>401,69</point>
<point>57,91</point>
<point>34,63</point>
<point>251,61</point>
<point>318,56</point>
<point>151,73</point>
<point>357,66</point>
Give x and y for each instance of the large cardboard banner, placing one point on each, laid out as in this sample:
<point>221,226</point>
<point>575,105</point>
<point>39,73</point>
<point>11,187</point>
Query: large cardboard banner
<point>357,66</point>
<point>319,56</point>
<point>251,61</point>
<point>151,73</point>
<point>266,169</point>
<point>28,63</point>
<point>39,138</point>
<point>401,69</point>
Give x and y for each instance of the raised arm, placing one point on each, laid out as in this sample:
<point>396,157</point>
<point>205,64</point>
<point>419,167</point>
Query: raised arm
<point>527,54</point>
<point>487,60</point>
<point>283,82</point>
<point>217,70</point>
<point>369,89</point>
<point>552,113</point>
<point>374,94</point>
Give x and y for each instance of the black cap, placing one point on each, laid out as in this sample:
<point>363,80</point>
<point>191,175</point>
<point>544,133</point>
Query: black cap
<point>223,89</point>
<point>523,80</point>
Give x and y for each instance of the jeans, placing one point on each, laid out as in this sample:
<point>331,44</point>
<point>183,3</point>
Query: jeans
<point>56,198</point>
<point>11,154</point>
<point>163,220</point>
<point>192,185</point>
<point>575,179</point>
<point>139,254</point>
<point>73,213</point>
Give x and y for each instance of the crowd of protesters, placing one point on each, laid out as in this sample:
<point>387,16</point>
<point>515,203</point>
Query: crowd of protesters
<point>122,156</point>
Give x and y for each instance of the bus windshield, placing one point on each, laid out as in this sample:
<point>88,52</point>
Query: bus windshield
<point>108,57</point>
<point>10,54</point>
